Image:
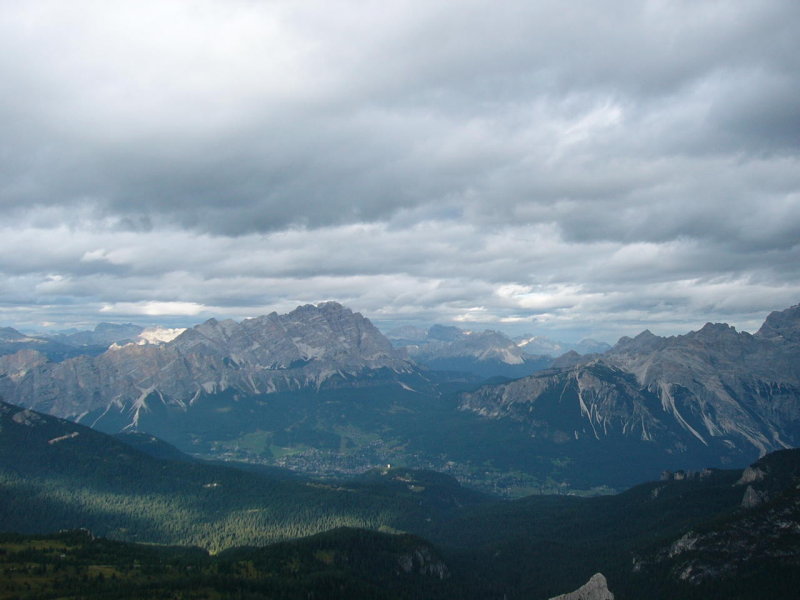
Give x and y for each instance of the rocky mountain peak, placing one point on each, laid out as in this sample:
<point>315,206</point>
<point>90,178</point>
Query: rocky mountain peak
<point>646,341</point>
<point>329,306</point>
<point>307,333</point>
<point>714,332</point>
<point>717,328</point>
<point>445,333</point>
<point>329,310</point>
<point>306,348</point>
<point>9,334</point>
<point>782,326</point>
<point>567,360</point>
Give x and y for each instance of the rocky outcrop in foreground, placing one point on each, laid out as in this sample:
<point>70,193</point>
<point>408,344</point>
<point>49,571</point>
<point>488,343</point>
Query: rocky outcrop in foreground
<point>594,589</point>
<point>763,534</point>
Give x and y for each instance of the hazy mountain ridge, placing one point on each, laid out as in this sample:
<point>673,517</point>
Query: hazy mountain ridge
<point>321,391</point>
<point>72,343</point>
<point>103,335</point>
<point>736,392</point>
<point>539,344</point>
<point>458,341</point>
<point>485,353</point>
<point>13,341</point>
<point>440,341</point>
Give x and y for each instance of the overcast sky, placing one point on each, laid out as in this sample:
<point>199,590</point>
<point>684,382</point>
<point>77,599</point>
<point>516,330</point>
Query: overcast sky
<point>562,168</point>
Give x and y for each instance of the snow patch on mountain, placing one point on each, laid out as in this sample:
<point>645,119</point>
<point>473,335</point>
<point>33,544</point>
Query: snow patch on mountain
<point>159,335</point>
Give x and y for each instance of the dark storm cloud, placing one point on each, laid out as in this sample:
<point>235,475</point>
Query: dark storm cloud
<point>530,163</point>
<point>390,111</point>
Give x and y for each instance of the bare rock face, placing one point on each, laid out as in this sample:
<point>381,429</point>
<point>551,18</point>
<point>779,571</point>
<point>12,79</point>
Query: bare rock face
<point>594,589</point>
<point>422,561</point>
<point>727,393</point>
<point>16,365</point>
<point>753,497</point>
<point>782,326</point>
<point>751,474</point>
<point>310,347</point>
<point>765,530</point>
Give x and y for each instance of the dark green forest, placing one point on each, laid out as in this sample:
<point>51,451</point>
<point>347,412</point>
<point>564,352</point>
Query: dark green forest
<point>183,528</point>
<point>343,563</point>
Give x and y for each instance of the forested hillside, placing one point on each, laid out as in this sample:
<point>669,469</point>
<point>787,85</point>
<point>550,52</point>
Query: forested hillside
<point>55,474</point>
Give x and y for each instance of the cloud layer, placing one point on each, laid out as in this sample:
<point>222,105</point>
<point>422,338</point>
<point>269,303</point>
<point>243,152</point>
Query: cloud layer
<point>591,168</point>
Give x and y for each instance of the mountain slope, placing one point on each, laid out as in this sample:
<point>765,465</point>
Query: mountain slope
<point>56,474</point>
<point>541,546</point>
<point>311,347</point>
<point>712,397</point>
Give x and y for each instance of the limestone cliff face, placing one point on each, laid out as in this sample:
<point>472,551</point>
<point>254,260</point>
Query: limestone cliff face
<point>309,347</point>
<point>594,589</point>
<point>714,387</point>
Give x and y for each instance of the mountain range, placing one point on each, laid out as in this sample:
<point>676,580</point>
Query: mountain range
<point>485,354</point>
<point>321,390</point>
<point>69,344</point>
<point>715,393</point>
<point>313,346</point>
<point>538,344</point>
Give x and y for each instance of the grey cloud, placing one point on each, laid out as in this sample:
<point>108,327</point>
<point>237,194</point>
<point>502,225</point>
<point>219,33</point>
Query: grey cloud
<point>760,113</point>
<point>524,161</point>
<point>437,272</point>
<point>370,140</point>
